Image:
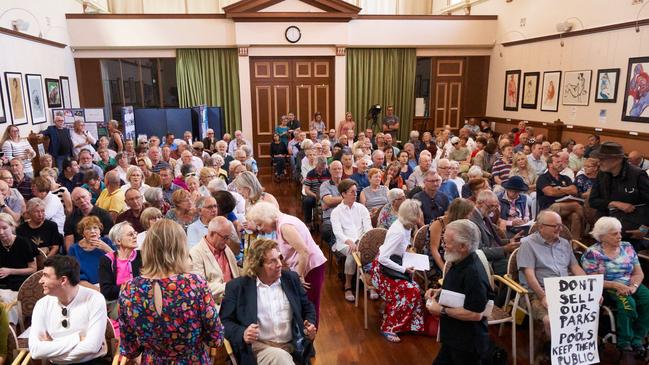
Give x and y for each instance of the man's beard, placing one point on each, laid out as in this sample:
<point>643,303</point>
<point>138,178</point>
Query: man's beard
<point>451,256</point>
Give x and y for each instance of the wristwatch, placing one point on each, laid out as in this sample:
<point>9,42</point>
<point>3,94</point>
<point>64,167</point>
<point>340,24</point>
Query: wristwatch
<point>442,312</point>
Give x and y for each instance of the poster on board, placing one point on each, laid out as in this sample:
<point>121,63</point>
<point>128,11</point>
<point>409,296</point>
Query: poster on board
<point>128,119</point>
<point>573,309</point>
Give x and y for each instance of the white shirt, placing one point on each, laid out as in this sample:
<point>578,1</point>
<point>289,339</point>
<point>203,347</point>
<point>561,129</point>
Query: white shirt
<point>568,172</point>
<point>232,146</point>
<point>80,138</point>
<point>470,143</point>
<point>459,182</point>
<point>122,172</point>
<point>143,188</point>
<point>396,241</point>
<point>86,317</point>
<point>416,178</point>
<point>54,210</point>
<point>274,313</point>
<point>196,162</point>
<point>195,232</point>
<point>349,223</point>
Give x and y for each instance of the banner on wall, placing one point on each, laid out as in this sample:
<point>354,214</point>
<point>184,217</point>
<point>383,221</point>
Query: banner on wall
<point>573,308</point>
<point>128,119</point>
<point>202,121</point>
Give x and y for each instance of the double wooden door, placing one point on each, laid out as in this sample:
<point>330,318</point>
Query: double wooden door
<point>282,85</point>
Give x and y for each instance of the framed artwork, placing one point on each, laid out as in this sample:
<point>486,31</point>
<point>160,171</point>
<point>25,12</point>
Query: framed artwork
<point>65,92</point>
<point>606,87</point>
<point>576,87</point>
<point>530,90</point>
<point>636,92</point>
<point>512,85</point>
<point>3,115</point>
<point>36,98</point>
<point>16,97</point>
<point>550,91</point>
<point>53,89</point>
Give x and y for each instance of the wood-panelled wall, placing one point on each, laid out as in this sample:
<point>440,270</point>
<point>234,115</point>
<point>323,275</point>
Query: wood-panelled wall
<point>91,94</point>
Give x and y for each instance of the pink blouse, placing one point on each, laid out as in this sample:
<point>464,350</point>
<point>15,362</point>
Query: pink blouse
<point>316,257</point>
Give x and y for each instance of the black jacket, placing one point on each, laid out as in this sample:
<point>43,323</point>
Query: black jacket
<point>239,310</point>
<point>108,275</point>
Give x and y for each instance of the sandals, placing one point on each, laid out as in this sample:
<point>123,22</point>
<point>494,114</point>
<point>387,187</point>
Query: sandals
<point>349,295</point>
<point>391,337</point>
<point>373,294</point>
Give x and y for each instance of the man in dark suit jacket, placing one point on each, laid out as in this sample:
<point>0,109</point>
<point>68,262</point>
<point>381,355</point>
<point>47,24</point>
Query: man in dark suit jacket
<point>257,306</point>
<point>60,145</point>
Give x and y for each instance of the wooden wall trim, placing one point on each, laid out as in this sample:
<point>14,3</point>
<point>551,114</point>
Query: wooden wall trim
<point>32,38</point>
<point>145,16</point>
<point>580,32</point>
<point>291,17</point>
<point>427,17</point>
<point>241,16</point>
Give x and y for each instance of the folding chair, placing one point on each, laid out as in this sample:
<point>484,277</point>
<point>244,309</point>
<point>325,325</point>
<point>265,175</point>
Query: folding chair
<point>368,249</point>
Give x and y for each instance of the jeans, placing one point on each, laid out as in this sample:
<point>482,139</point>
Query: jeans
<point>308,203</point>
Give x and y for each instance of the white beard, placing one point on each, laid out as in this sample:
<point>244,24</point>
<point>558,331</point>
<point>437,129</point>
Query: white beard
<point>451,257</point>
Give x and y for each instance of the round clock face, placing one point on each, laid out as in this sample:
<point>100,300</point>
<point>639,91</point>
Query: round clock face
<point>293,34</point>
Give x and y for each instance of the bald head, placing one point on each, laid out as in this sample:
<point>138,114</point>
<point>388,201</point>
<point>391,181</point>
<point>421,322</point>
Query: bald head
<point>111,179</point>
<point>635,158</point>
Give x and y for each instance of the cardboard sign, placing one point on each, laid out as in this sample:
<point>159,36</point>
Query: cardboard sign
<point>573,308</point>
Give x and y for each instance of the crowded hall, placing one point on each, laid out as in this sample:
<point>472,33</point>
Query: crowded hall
<point>339,182</point>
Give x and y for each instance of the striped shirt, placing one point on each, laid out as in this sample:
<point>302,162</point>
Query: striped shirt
<point>13,149</point>
<point>501,169</point>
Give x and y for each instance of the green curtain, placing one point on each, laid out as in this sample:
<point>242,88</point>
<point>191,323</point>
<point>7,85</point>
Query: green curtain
<point>210,76</point>
<point>385,77</point>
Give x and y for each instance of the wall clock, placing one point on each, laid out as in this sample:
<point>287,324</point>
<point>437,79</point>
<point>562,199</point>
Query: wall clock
<point>293,34</point>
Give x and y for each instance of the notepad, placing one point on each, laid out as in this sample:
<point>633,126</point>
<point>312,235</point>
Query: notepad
<point>451,299</point>
<point>418,261</point>
<point>569,198</point>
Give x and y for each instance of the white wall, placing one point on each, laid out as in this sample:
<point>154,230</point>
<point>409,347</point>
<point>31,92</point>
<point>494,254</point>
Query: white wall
<point>24,56</point>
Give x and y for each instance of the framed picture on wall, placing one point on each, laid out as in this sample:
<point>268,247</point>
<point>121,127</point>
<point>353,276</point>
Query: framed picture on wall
<point>550,91</point>
<point>576,87</point>
<point>36,98</point>
<point>512,86</point>
<point>530,90</point>
<point>3,115</point>
<point>636,92</point>
<point>53,89</point>
<point>606,87</point>
<point>65,92</point>
<point>16,98</point>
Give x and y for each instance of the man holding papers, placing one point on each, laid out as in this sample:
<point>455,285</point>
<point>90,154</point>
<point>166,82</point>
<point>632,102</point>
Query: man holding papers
<point>403,306</point>
<point>463,330</point>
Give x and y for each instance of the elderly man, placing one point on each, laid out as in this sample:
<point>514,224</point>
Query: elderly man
<point>535,159</point>
<point>187,158</point>
<point>311,188</point>
<point>155,155</point>
<point>86,163</point>
<point>349,221</point>
<point>22,182</point>
<point>11,201</point>
<point>207,210</point>
<point>112,198</point>
<point>433,202</point>
<point>621,190</point>
<point>61,145</point>
<point>448,187</point>
<point>389,142</point>
<point>544,254</point>
<point>187,137</point>
<point>378,160</point>
<point>135,203</point>
<point>54,211</point>
<point>523,138</point>
<point>267,316</point>
<point>637,159</point>
<point>553,186</point>
<point>592,145</point>
<point>566,170</point>
<point>463,330</point>
<point>81,198</point>
<point>329,199</point>
<point>213,259</point>
<point>576,158</point>
<point>209,142</point>
<point>166,183</point>
<point>417,176</point>
<point>237,142</point>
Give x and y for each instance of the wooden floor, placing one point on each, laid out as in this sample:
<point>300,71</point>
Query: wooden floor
<point>342,339</point>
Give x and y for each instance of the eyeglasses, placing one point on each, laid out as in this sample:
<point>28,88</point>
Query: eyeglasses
<point>65,322</point>
<point>131,234</point>
<point>213,206</point>
<point>553,226</point>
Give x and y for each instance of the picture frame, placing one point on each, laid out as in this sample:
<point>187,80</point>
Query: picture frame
<point>529,99</point>
<point>512,88</point>
<point>606,85</point>
<point>551,91</point>
<point>576,87</point>
<point>53,90</point>
<point>3,113</point>
<point>66,96</point>
<point>636,106</point>
<point>16,98</point>
<point>35,95</point>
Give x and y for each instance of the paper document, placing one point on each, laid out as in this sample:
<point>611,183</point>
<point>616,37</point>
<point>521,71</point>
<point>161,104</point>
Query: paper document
<point>528,224</point>
<point>569,198</point>
<point>451,299</point>
<point>418,261</point>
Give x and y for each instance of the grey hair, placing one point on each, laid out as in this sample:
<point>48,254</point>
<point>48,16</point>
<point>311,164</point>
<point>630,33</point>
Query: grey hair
<point>321,160</point>
<point>455,164</point>
<point>216,185</point>
<point>485,195</point>
<point>306,144</point>
<point>377,152</point>
<point>117,232</point>
<point>474,171</point>
<point>33,203</point>
<point>200,202</point>
<point>410,211</point>
<point>153,194</point>
<point>605,225</point>
<point>247,149</point>
<point>466,233</point>
<point>217,221</point>
<point>263,212</point>
<point>394,194</point>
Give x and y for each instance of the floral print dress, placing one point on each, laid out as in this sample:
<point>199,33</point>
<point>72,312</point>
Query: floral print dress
<point>181,335</point>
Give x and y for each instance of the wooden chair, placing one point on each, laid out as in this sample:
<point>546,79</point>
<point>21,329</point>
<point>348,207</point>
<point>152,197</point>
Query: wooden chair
<point>28,294</point>
<point>418,243</point>
<point>368,249</point>
<point>40,259</point>
<point>14,355</point>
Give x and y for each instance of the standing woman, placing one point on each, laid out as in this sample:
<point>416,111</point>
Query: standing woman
<point>167,315</point>
<point>81,138</point>
<point>403,305</point>
<point>13,146</point>
<point>296,245</point>
<point>318,124</point>
<point>250,188</point>
<point>115,140</point>
<point>282,130</point>
<point>346,124</point>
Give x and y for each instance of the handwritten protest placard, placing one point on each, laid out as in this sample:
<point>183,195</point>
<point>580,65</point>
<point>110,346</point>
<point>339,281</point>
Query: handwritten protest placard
<point>573,308</point>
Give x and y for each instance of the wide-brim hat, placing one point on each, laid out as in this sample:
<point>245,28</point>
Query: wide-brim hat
<point>608,150</point>
<point>516,183</point>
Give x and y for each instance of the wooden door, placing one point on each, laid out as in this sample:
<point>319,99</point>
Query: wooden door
<point>447,92</point>
<point>279,85</point>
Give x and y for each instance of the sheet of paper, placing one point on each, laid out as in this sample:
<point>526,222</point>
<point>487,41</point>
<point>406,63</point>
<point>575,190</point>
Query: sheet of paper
<point>418,261</point>
<point>25,334</point>
<point>451,299</point>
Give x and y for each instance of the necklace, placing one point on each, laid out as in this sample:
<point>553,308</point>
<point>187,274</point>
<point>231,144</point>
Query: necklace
<point>8,247</point>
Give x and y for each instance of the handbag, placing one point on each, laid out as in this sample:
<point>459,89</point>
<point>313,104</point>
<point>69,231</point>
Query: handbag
<point>394,274</point>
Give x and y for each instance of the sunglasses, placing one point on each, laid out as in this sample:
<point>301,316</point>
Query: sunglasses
<point>65,322</point>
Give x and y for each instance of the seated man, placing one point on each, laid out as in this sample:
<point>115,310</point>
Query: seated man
<point>266,313</point>
<point>11,201</point>
<point>544,254</point>
<point>207,210</point>
<point>311,188</point>
<point>329,199</point>
<point>349,221</point>
<point>433,202</point>
<point>69,323</point>
<point>83,207</point>
<point>448,187</point>
<point>213,259</point>
<point>112,198</point>
<point>135,203</point>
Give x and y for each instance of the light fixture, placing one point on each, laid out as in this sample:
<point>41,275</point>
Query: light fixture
<point>566,26</point>
<point>21,25</point>
<point>637,18</point>
<point>500,44</point>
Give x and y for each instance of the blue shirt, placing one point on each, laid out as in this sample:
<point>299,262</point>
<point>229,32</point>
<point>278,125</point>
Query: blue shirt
<point>89,260</point>
<point>361,180</point>
<point>449,188</point>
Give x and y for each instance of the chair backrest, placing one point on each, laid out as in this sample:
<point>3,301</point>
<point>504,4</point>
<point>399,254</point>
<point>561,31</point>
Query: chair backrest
<point>29,293</point>
<point>487,267</point>
<point>420,238</point>
<point>512,265</point>
<point>40,259</point>
<point>369,243</point>
<point>12,344</point>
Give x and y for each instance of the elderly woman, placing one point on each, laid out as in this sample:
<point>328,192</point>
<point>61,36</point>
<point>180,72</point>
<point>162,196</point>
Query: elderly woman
<point>513,203</point>
<point>205,175</point>
<point>90,249</point>
<point>183,211</point>
<point>193,187</point>
<point>38,230</point>
<point>17,259</point>
<point>296,245</point>
<point>81,138</point>
<point>167,315</point>
<point>390,211</point>
<point>135,180</point>
<point>147,218</point>
<point>145,164</point>
<point>57,189</point>
<point>618,262</point>
<point>392,177</point>
<point>403,305</point>
<point>154,197</point>
<point>585,181</point>
<point>250,188</point>
<point>375,196</point>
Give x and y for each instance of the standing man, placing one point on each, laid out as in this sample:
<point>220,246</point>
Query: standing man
<point>293,123</point>
<point>463,330</point>
<point>390,122</point>
<point>60,141</point>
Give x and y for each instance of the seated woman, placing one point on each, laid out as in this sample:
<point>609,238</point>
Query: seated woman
<point>135,179</point>
<point>183,212</point>
<point>90,249</point>
<point>513,204</point>
<point>392,177</point>
<point>390,211</point>
<point>17,258</point>
<point>278,153</point>
<point>43,233</point>
<point>154,198</point>
<point>623,287</point>
<point>403,304</point>
<point>374,196</point>
<point>406,169</point>
<point>167,315</point>
<point>226,202</point>
<point>149,216</point>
